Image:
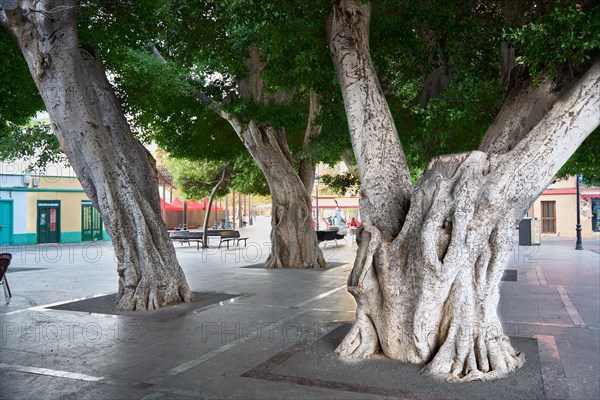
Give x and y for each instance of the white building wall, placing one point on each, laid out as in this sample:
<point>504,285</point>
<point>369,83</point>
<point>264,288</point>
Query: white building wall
<point>19,200</point>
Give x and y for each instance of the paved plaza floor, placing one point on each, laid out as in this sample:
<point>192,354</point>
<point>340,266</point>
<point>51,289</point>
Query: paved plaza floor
<point>255,333</point>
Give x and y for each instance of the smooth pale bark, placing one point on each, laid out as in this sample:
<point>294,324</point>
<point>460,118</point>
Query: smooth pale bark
<point>429,294</point>
<point>382,165</point>
<point>526,104</point>
<point>116,171</point>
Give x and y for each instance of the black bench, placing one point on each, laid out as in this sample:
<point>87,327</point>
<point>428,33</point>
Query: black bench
<point>232,236</point>
<point>192,236</point>
<point>225,236</point>
<point>5,259</point>
<point>187,237</point>
<point>329,235</point>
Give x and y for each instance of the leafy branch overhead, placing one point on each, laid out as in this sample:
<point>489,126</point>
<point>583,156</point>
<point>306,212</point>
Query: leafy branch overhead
<point>204,46</point>
<point>197,178</point>
<point>341,184</point>
<point>566,35</point>
<point>35,143</point>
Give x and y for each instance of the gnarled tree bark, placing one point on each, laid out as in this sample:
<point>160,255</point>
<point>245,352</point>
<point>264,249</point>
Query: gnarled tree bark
<point>427,288</point>
<point>293,240</point>
<point>117,173</point>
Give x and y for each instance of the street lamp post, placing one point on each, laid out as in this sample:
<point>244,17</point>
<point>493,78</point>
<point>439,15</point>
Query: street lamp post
<point>578,244</point>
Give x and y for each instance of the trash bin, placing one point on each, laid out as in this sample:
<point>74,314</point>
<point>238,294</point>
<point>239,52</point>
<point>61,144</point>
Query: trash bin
<point>529,232</point>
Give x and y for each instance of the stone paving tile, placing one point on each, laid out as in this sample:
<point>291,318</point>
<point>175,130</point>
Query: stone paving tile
<point>20,385</point>
<point>174,355</point>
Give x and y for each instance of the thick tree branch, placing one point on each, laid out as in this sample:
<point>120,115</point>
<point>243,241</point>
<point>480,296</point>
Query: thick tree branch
<point>386,185</point>
<point>525,105</point>
<point>528,168</point>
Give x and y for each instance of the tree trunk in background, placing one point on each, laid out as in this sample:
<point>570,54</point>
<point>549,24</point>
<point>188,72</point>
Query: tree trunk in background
<point>116,171</point>
<point>427,289</point>
<point>307,167</point>
<point>293,239</point>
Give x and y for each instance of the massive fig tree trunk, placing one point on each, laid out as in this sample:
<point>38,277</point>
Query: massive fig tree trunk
<point>116,171</point>
<point>427,283</point>
<point>293,240</point>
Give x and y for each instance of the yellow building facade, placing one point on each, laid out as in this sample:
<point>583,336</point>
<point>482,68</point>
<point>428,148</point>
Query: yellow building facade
<point>556,208</point>
<point>46,209</point>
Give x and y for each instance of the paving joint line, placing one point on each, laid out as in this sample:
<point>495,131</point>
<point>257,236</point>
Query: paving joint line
<point>158,391</point>
<point>554,378</point>
<point>215,352</point>
<point>540,275</point>
<point>576,318</point>
<point>219,350</point>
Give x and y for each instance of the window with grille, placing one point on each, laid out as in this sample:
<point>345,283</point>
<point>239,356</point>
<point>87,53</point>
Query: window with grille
<point>548,217</point>
<point>596,214</point>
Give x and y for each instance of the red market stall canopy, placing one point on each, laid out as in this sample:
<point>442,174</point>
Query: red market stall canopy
<point>201,206</point>
<point>195,206</point>
<point>170,206</point>
<point>335,202</point>
<point>178,205</point>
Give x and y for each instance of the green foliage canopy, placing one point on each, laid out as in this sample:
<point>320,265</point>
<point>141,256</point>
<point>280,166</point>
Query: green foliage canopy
<point>204,45</point>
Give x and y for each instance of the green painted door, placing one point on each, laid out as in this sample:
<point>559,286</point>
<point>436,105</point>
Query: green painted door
<point>6,222</point>
<point>91,222</point>
<point>48,221</point>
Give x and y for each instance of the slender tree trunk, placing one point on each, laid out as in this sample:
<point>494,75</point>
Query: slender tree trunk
<point>224,175</point>
<point>116,171</point>
<point>307,167</point>
<point>429,293</point>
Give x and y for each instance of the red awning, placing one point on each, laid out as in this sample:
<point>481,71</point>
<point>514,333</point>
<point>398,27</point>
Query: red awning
<point>177,205</point>
<point>170,206</point>
<point>195,206</point>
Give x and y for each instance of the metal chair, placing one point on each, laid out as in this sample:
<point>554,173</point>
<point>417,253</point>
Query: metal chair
<point>5,259</point>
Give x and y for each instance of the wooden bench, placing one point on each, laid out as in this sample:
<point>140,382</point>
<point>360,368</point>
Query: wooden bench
<point>232,236</point>
<point>225,236</point>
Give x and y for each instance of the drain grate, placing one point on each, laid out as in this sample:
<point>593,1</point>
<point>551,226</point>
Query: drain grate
<point>510,275</point>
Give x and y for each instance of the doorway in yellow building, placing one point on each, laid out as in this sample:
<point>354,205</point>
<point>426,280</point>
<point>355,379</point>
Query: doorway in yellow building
<point>6,222</point>
<point>91,222</point>
<point>48,221</point>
